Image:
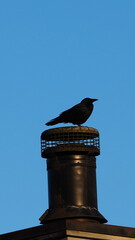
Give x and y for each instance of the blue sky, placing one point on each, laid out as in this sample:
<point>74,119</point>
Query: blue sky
<point>52,55</point>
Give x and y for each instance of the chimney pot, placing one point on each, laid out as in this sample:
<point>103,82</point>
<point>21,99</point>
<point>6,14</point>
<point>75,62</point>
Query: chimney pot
<point>71,165</point>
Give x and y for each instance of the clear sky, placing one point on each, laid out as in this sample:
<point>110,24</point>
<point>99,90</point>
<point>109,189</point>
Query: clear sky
<point>52,55</point>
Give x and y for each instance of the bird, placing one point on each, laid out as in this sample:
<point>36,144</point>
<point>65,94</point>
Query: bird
<point>76,115</point>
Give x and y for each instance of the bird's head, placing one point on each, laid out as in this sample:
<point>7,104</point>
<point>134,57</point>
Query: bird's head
<point>89,100</point>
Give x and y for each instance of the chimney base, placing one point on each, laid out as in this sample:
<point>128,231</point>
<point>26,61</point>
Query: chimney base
<point>91,214</point>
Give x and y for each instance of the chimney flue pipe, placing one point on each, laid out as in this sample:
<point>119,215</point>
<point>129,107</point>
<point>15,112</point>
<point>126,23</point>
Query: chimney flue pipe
<point>71,165</point>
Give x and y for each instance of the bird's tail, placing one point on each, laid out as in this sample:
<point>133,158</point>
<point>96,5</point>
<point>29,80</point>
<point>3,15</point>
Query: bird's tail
<point>53,121</point>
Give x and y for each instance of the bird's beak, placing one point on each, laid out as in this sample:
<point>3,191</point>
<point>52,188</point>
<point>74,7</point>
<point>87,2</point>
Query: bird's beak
<point>93,100</point>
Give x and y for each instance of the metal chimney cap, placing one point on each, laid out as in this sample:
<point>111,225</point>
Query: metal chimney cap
<point>70,139</point>
<point>51,132</point>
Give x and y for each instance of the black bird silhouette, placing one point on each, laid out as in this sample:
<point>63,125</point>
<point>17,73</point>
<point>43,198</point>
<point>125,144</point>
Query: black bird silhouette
<point>75,115</point>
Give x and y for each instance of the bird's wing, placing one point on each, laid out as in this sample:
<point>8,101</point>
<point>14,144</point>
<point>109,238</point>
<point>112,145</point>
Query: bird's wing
<point>71,114</point>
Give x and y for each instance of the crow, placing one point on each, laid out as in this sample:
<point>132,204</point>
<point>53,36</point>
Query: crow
<point>77,115</point>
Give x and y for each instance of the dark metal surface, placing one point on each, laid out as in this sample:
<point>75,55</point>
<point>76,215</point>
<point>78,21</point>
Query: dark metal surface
<point>81,213</point>
<point>71,173</point>
<point>72,181</point>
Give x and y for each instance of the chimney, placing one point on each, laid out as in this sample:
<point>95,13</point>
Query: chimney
<point>71,165</point>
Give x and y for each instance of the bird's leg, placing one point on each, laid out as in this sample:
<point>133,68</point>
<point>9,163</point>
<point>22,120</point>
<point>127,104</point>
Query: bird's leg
<point>79,125</point>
